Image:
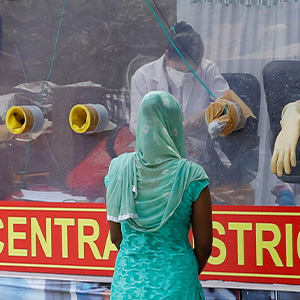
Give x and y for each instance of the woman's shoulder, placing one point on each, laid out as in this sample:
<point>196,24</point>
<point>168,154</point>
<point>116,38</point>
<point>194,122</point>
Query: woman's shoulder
<point>195,188</point>
<point>198,170</point>
<point>193,165</point>
<point>117,164</point>
<point>121,159</point>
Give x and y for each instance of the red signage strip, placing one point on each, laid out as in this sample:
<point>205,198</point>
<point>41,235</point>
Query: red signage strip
<point>63,238</point>
<point>253,244</point>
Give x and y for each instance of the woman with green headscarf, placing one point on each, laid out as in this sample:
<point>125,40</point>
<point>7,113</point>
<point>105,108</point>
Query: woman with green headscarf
<point>154,195</point>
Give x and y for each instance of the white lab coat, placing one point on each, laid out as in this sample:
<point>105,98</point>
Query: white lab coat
<point>192,95</point>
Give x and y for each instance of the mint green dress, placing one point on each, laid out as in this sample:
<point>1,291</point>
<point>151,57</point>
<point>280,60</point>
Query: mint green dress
<point>160,265</point>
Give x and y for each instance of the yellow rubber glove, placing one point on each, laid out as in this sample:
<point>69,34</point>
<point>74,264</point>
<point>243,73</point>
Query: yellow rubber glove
<point>229,111</point>
<point>284,154</point>
<point>223,111</point>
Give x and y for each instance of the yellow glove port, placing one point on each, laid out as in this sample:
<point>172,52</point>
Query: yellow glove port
<point>90,118</point>
<point>83,118</point>
<point>284,154</point>
<point>24,119</point>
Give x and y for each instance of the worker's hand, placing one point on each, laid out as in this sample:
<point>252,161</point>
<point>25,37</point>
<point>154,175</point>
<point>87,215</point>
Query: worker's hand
<point>194,122</point>
<point>223,112</point>
<point>284,154</point>
<point>227,114</point>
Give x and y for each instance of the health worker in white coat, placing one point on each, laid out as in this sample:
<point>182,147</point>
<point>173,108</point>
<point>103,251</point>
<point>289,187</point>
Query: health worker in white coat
<point>170,73</point>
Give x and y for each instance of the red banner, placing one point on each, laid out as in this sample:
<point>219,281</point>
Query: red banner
<point>254,244</point>
<point>64,238</point>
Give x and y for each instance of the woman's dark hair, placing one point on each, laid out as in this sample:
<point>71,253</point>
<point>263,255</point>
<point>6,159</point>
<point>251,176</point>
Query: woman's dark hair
<point>188,42</point>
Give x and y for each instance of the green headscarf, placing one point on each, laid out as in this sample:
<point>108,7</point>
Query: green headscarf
<point>145,187</point>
